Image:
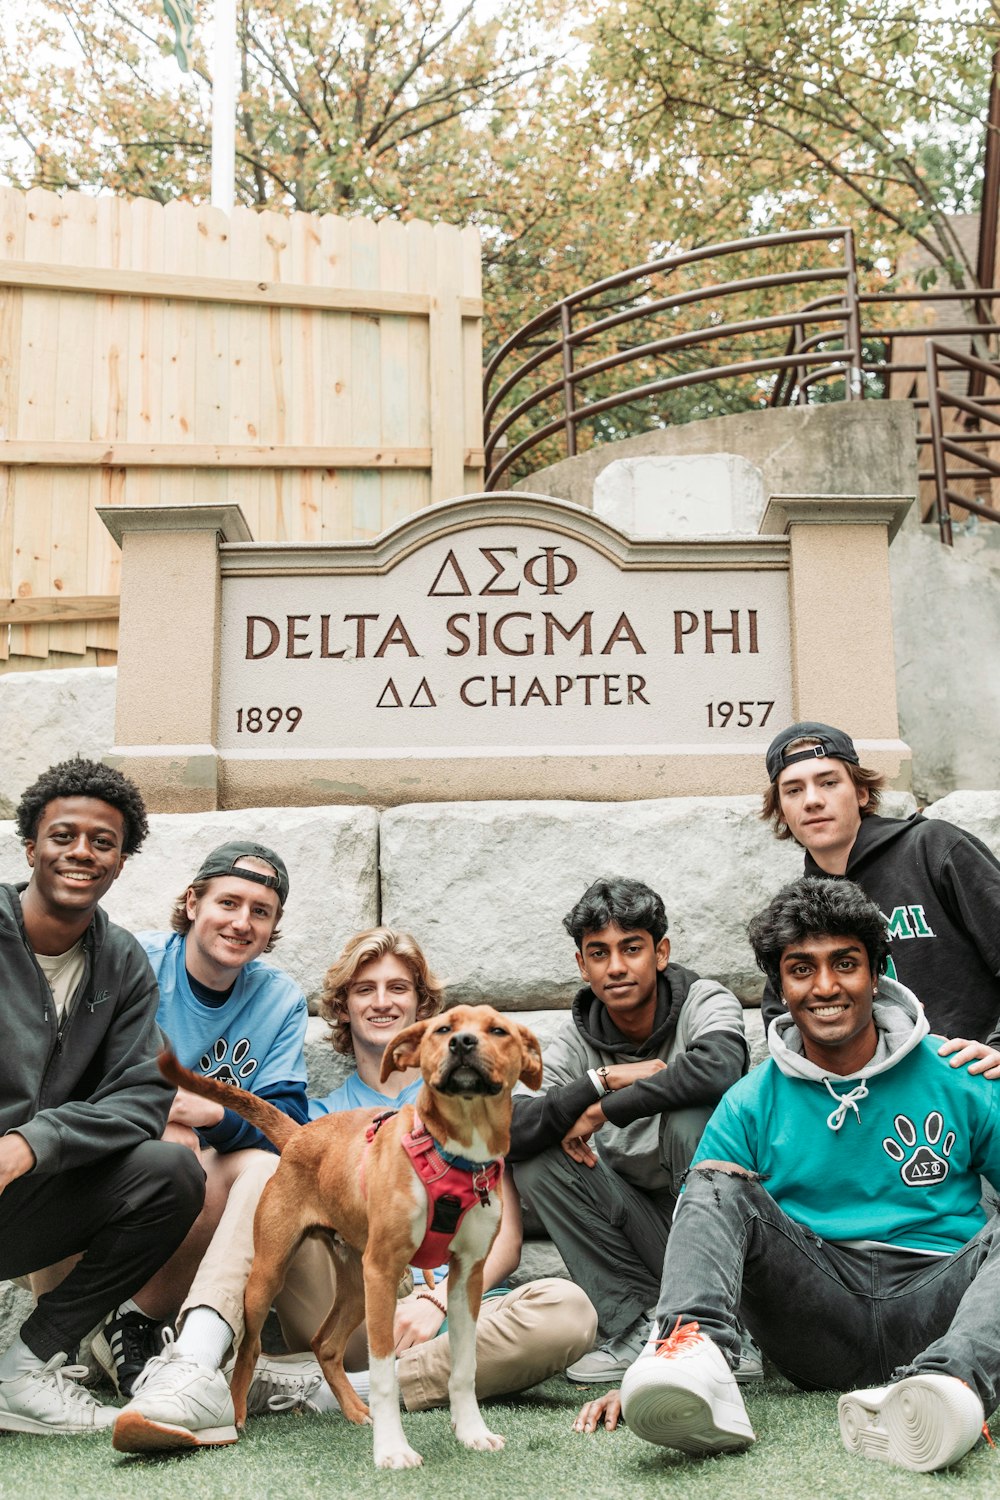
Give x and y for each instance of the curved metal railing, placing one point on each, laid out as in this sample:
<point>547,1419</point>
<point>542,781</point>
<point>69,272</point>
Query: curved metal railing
<point>747,340</point>
<point>585,321</point>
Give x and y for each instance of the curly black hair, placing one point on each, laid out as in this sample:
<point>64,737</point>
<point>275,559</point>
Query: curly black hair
<point>812,907</point>
<point>84,778</point>
<point>616,901</point>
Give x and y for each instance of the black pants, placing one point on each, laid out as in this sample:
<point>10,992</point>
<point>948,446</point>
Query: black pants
<point>126,1214</point>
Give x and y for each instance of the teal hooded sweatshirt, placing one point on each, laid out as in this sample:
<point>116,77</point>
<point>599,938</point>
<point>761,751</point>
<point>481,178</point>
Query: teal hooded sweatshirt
<point>890,1155</point>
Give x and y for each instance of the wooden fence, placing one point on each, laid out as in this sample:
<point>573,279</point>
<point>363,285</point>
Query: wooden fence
<point>323,372</point>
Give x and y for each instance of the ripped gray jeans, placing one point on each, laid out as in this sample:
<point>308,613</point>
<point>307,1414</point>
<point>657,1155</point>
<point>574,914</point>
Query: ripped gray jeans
<point>830,1316</point>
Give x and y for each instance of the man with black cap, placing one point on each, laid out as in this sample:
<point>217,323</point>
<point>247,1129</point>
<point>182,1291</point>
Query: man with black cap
<point>937,886</point>
<point>231,1017</point>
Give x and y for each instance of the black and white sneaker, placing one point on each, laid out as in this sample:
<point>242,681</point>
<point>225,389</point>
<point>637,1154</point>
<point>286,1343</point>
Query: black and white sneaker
<point>125,1345</point>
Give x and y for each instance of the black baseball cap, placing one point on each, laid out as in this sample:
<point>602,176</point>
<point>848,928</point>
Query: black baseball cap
<point>223,861</point>
<point>830,742</point>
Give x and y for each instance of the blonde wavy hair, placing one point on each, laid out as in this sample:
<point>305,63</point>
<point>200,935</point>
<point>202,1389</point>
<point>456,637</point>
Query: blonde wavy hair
<point>364,948</point>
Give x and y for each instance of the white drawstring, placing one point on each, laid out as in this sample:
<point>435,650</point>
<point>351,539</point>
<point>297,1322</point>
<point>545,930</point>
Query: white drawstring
<point>845,1102</point>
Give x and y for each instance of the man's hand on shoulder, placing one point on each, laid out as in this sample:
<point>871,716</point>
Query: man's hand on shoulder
<point>606,1409</point>
<point>980,1056</point>
<point>575,1141</point>
<point>16,1158</point>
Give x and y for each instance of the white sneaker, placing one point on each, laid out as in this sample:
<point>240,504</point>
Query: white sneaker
<point>924,1422</point>
<point>681,1394</point>
<point>48,1400</point>
<point>288,1382</point>
<point>176,1403</point>
<point>609,1361</point>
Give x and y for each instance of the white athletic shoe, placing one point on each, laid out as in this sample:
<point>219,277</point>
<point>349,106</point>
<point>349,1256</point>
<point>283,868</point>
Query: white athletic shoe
<point>681,1394</point>
<point>289,1382</point>
<point>176,1403</point>
<point>48,1400</point>
<point>923,1422</point>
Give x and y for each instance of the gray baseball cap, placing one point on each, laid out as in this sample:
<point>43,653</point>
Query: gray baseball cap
<point>830,742</point>
<point>223,861</point>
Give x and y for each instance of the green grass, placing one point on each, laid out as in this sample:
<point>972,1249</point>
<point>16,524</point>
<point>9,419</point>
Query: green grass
<point>798,1456</point>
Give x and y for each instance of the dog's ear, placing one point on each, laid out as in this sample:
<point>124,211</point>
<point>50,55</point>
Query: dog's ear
<point>404,1050</point>
<point>531,1059</point>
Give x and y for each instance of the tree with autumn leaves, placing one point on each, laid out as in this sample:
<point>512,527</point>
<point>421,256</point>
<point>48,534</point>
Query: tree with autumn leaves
<point>579,139</point>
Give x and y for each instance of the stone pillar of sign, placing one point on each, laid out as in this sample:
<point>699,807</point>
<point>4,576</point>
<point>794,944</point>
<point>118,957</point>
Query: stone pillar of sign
<point>840,608</point>
<point>168,667</point>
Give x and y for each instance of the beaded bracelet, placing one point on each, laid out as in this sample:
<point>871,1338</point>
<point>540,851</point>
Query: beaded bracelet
<point>427,1297</point>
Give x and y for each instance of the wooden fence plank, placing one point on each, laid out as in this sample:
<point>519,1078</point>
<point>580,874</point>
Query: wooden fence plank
<point>55,455</point>
<point>336,492</point>
<point>396,394</point>
<point>211,348</point>
<point>32,520</point>
<point>447,392</point>
<point>78,323</point>
<point>55,609</point>
<point>13,213</point>
<point>156,354</point>
<point>245,360</point>
<point>180,325</point>
<point>366,368</point>
<point>178,287</point>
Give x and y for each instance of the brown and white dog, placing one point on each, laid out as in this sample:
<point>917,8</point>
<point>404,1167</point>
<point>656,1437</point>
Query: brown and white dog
<point>366,1195</point>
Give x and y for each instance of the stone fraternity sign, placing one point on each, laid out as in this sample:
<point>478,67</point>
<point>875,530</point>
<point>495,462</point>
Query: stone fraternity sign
<point>488,647</point>
<point>507,636</point>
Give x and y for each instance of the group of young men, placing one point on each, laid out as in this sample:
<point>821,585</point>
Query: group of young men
<point>824,1206</point>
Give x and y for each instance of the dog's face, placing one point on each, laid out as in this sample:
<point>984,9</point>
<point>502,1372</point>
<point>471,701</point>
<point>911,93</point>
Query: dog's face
<point>468,1050</point>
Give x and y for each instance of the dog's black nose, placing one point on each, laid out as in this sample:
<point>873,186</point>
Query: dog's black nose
<point>463,1041</point>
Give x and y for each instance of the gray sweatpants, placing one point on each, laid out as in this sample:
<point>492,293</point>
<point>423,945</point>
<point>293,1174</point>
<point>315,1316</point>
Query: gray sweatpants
<point>611,1234</point>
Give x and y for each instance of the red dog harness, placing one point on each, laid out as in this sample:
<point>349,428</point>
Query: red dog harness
<point>453,1186</point>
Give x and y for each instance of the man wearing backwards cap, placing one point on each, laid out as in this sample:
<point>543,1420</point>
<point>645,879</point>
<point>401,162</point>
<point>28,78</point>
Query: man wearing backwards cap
<point>937,886</point>
<point>231,1017</point>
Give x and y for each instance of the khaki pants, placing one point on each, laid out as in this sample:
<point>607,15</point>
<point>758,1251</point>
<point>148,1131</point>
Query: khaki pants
<point>222,1273</point>
<point>522,1337</point>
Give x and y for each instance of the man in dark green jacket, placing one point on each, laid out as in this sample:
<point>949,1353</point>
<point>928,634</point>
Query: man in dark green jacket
<point>83,1171</point>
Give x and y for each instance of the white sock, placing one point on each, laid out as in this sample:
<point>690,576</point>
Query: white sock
<point>361,1381</point>
<point>129,1306</point>
<point>205,1337</point>
<point>18,1360</point>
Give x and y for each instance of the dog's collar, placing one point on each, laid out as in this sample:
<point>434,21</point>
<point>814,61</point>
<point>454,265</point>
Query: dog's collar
<point>422,1140</point>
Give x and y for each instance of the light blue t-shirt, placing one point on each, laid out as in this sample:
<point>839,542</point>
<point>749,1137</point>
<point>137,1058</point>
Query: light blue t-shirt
<point>353,1093</point>
<point>256,1038</point>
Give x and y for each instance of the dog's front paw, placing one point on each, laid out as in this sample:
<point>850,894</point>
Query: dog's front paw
<point>490,1442</point>
<point>480,1438</point>
<point>398,1458</point>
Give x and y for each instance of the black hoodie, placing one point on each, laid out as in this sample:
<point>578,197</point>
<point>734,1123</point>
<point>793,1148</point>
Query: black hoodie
<point>939,889</point>
<point>89,1086</point>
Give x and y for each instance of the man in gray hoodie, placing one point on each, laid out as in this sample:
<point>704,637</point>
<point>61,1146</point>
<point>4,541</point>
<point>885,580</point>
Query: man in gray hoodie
<point>647,1054</point>
<point>83,1171</point>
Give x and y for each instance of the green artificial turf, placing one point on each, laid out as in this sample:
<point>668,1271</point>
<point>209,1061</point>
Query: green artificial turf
<point>798,1456</point>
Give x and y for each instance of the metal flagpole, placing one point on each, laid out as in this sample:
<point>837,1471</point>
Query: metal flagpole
<point>224,106</point>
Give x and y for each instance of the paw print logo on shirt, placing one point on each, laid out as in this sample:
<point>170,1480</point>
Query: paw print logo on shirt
<point>235,1069</point>
<point>924,1166</point>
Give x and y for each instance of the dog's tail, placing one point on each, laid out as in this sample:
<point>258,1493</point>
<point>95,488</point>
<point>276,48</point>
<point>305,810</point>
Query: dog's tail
<point>278,1128</point>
